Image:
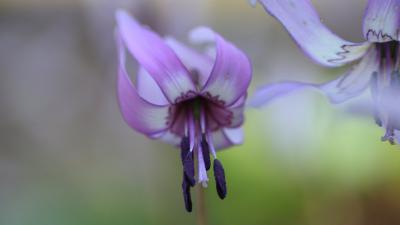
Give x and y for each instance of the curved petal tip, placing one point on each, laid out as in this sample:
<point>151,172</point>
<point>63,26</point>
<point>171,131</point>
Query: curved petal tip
<point>231,72</point>
<point>155,56</point>
<point>266,94</point>
<point>303,23</point>
<point>253,2</point>
<point>201,35</point>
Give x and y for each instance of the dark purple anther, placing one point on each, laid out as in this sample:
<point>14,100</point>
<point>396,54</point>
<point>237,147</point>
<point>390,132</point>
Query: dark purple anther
<point>187,161</point>
<point>185,148</point>
<point>186,194</point>
<point>219,175</point>
<point>206,152</point>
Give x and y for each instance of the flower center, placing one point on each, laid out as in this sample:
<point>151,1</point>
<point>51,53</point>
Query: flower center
<point>216,115</point>
<point>385,88</point>
<point>195,120</point>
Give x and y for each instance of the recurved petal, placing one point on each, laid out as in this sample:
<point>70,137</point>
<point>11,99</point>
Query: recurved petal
<point>231,72</point>
<point>304,25</point>
<point>382,20</point>
<point>354,82</point>
<point>264,95</point>
<point>140,114</point>
<point>167,137</point>
<point>155,56</point>
<point>227,137</point>
<point>347,86</point>
<point>149,89</point>
<point>237,110</point>
<point>199,64</point>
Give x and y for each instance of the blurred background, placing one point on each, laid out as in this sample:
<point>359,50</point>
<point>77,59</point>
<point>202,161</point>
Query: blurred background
<point>67,157</point>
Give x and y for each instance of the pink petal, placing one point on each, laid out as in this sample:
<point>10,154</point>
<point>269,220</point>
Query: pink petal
<point>138,113</point>
<point>231,73</point>
<point>347,86</point>
<point>267,93</point>
<point>168,137</point>
<point>192,59</point>
<point>155,57</point>
<point>354,82</point>
<point>237,110</point>
<point>149,89</point>
<point>304,25</point>
<point>225,138</point>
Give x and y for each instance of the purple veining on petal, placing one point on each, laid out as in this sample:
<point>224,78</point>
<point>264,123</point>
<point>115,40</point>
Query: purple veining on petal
<point>379,35</point>
<point>304,25</point>
<point>382,20</point>
<point>345,50</point>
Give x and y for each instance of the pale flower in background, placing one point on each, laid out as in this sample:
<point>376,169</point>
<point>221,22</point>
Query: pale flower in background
<point>378,57</point>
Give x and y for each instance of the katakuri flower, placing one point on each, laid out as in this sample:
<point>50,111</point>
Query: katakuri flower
<point>184,97</point>
<point>378,57</point>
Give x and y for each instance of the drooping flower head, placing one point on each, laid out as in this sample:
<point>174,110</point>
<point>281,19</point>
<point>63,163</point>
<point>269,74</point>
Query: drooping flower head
<point>378,57</point>
<point>184,97</point>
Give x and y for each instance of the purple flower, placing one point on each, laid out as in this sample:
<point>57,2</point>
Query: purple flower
<point>378,57</point>
<point>184,97</point>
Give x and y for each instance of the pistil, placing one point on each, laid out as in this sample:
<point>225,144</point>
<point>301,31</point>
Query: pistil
<point>197,145</point>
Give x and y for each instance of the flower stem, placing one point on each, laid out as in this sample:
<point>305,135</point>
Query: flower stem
<point>200,209</point>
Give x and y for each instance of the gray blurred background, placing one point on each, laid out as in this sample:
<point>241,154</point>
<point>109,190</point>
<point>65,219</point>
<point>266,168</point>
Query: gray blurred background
<point>67,157</point>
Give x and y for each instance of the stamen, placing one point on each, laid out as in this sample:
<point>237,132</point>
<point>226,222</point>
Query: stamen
<point>206,152</point>
<point>186,194</point>
<point>204,144</point>
<point>202,120</point>
<point>389,136</point>
<point>191,129</point>
<point>211,144</point>
<point>202,172</point>
<point>187,161</point>
<point>184,147</point>
<point>219,175</point>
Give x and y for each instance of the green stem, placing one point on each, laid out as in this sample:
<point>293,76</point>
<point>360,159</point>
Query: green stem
<point>201,209</point>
